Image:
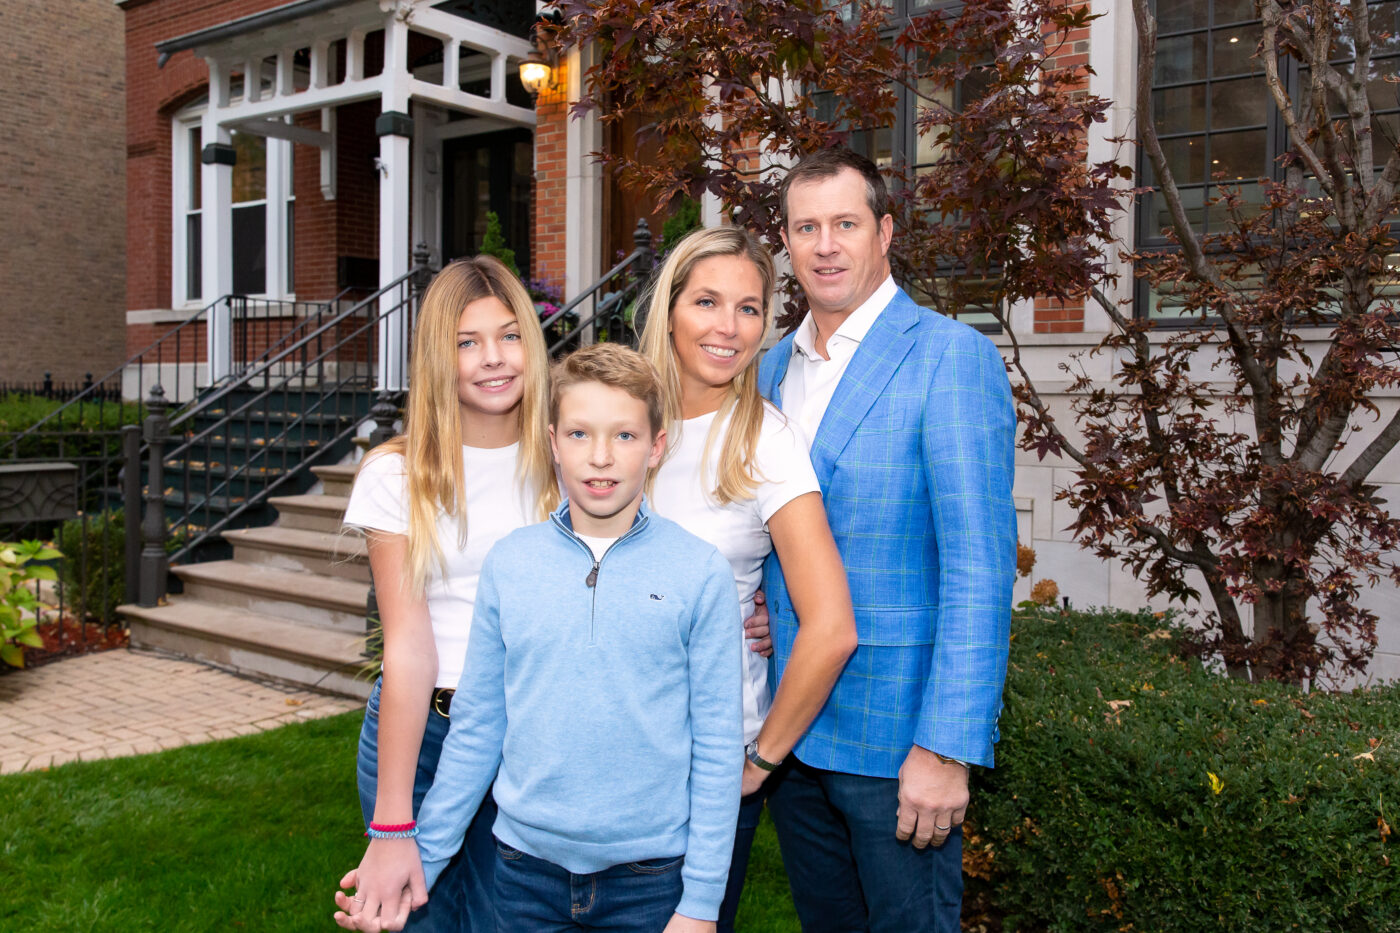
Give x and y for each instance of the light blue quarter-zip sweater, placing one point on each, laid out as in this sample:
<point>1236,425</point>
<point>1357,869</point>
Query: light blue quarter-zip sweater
<point>607,694</point>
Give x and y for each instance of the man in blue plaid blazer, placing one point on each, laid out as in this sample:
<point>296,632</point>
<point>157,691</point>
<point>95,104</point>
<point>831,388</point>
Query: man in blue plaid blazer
<point>912,431</point>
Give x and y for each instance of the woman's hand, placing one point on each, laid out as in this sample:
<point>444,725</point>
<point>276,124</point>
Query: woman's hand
<point>388,885</point>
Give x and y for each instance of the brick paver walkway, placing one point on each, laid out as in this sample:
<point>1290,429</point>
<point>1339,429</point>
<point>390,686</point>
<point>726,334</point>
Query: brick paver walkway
<point>129,703</point>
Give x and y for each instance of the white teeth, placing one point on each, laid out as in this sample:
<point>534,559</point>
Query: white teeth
<point>494,383</point>
<point>601,483</point>
<point>720,351</point>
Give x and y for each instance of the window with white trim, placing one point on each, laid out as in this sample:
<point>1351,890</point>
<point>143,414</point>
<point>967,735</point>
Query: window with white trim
<point>263,210</point>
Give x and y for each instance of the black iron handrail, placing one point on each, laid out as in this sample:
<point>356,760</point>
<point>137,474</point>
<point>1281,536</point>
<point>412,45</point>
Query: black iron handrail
<point>611,296</point>
<point>243,312</point>
<point>328,370</point>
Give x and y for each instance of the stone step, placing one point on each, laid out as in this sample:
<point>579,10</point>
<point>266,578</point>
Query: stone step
<point>337,478</point>
<point>305,598</point>
<point>320,552</point>
<point>310,513</point>
<point>254,645</point>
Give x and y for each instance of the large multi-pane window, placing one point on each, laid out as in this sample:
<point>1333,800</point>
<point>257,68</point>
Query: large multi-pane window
<point>900,146</point>
<point>1218,123</point>
<point>262,197</point>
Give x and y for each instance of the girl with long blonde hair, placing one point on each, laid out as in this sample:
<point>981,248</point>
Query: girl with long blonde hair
<point>738,475</point>
<point>472,465</point>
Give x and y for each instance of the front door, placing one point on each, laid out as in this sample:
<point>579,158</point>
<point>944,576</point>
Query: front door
<point>487,172</point>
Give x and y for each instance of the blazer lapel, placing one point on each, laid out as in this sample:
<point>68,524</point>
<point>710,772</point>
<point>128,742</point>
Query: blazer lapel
<point>869,371</point>
<point>773,370</point>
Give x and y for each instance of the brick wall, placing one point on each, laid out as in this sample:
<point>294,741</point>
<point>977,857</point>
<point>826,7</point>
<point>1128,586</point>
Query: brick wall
<point>323,230</point>
<point>551,179</point>
<point>61,194</point>
<point>1057,317</point>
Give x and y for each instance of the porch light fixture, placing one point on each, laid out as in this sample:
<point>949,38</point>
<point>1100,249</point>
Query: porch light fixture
<point>536,73</point>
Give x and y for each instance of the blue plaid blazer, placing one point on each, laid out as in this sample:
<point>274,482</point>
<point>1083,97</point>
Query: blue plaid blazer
<point>915,460</point>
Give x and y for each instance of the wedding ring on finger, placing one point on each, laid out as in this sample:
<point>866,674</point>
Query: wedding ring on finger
<point>942,829</point>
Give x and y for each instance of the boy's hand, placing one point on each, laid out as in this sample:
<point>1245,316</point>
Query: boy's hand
<point>388,885</point>
<point>756,627</point>
<point>682,924</point>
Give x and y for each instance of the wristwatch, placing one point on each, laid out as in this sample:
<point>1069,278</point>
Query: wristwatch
<point>751,752</point>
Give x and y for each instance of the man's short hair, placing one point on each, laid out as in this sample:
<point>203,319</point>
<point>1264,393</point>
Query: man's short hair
<point>826,163</point>
<point>612,365</point>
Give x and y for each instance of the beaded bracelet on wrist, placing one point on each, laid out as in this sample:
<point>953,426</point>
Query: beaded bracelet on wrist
<point>394,834</point>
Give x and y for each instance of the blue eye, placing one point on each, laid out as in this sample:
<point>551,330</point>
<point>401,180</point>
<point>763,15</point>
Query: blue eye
<point>511,337</point>
<point>464,344</point>
<point>806,228</point>
<point>848,224</point>
<point>625,435</point>
<point>577,435</point>
<point>705,302</point>
<point>750,309</point>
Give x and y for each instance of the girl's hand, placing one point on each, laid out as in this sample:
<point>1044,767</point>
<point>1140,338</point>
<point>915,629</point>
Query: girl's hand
<point>388,885</point>
<point>683,924</point>
<point>756,627</point>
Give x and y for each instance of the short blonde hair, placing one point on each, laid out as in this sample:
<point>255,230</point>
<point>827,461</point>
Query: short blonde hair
<point>612,365</point>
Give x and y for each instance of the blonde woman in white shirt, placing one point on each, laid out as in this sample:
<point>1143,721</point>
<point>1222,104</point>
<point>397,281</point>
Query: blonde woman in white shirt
<point>472,465</point>
<point>738,475</point>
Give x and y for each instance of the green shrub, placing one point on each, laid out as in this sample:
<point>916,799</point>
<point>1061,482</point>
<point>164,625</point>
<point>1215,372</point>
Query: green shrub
<point>88,429</point>
<point>493,243</point>
<point>93,572</point>
<point>1136,791</point>
<point>19,607</point>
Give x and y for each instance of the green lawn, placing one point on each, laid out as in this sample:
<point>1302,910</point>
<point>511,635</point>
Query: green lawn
<point>251,833</point>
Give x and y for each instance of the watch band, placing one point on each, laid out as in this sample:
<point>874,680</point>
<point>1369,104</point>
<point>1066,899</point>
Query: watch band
<point>951,761</point>
<point>751,752</point>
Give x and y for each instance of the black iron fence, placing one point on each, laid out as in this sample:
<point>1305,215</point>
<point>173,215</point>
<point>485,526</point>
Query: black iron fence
<point>607,311</point>
<point>47,388</point>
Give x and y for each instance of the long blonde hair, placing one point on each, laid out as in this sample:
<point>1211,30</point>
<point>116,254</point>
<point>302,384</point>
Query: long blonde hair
<point>431,444</point>
<point>737,475</point>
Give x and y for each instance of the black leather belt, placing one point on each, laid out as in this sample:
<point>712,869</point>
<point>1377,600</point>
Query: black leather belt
<point>442,701</point>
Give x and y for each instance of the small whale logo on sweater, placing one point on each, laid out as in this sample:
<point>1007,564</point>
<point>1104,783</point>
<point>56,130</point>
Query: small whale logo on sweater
<point>657,597</point>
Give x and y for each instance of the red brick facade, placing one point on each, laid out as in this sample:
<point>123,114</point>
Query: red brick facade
<point>323,230</point>
<point>551,179</point>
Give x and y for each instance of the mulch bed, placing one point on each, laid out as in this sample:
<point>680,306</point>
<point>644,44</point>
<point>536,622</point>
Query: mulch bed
<point>69,639</point>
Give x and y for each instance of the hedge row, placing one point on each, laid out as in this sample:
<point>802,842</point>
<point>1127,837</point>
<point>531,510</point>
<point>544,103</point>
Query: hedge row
<point>1135,791</point>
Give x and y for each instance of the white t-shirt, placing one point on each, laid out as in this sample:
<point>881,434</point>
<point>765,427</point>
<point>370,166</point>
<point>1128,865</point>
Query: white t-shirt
<point>496,506</point>
<point>738,530</point>
<point>599,546</point>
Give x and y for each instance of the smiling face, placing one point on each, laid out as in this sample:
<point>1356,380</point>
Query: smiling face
<point>839,248</point>
<point>490,368</point>
<point>603,443</point>
<point>717,326</point>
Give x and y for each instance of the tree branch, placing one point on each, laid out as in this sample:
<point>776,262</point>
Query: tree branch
<point>1374,452</point>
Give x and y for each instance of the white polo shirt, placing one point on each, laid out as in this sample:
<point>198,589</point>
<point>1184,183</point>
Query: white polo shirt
<point>811,380</point>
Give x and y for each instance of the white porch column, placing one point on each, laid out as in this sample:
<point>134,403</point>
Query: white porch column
<point>216,222</point>
<point>583,192</point>
<point>395,129</point>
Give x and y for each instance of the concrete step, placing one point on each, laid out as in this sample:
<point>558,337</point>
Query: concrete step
<point>320,552</point>
<point>338,478</point>
<point>305,598</point>
<point>253,644</point>
<point>310,513</point>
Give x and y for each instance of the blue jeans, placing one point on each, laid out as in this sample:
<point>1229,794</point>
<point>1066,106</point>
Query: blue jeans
<point>847,871</point>
<point>750,812</point>
<point>460,901</point>
<point>536,896</point>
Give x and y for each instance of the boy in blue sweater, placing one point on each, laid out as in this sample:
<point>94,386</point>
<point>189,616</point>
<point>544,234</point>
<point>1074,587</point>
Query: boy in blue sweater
<point>601,692</point>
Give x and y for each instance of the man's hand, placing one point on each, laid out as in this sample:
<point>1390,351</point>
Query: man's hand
<point>681,924</point>
<point>932,798</point>
<point>753,778</point>
<point>756,627</point>
<point>388,885</point>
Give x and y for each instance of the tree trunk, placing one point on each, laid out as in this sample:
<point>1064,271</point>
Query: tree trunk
<point>1230,625</point>
<point>1284,643</point>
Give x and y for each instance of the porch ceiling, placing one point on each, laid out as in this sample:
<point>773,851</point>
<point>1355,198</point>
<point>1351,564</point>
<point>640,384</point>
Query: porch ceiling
<point>243,44</point>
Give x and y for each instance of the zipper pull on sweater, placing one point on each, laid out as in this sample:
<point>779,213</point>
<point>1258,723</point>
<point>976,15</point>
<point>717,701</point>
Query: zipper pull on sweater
<point>592,578</point>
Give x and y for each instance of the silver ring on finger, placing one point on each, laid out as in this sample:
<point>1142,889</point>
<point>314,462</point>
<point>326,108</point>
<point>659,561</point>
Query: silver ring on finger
<point>942,829</point>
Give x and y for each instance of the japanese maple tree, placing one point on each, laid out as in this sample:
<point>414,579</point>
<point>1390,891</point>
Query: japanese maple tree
<point>1235,455</point>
